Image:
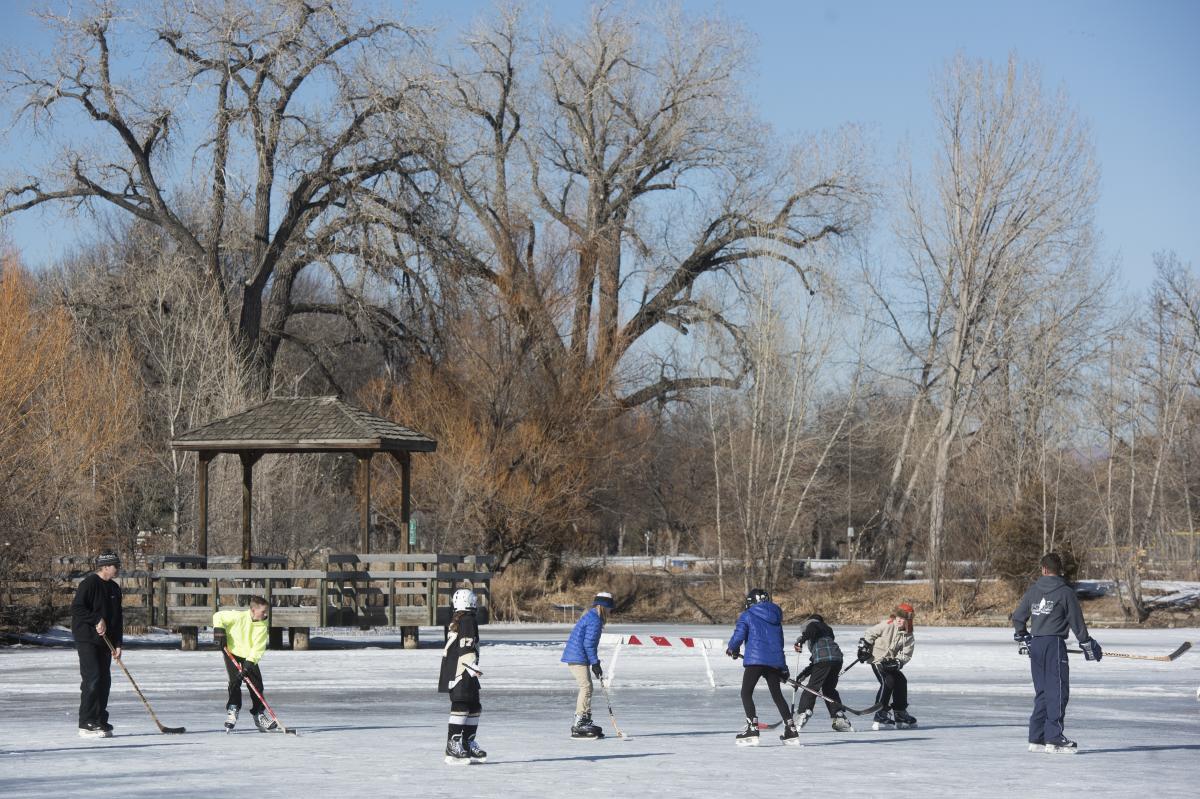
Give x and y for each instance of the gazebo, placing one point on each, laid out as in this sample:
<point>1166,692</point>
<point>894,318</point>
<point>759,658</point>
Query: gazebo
<point>302,424</point>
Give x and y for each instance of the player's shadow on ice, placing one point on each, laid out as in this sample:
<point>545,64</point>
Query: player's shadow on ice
<point>883,739</point>
<point>84,749</point>
<point>1165,748</point>
<point>589,758</point>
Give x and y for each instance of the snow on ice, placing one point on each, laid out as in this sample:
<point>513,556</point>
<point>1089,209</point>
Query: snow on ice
<point>372,724</point>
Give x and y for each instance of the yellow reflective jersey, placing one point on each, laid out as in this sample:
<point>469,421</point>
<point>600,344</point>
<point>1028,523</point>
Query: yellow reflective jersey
<point>246,638</point>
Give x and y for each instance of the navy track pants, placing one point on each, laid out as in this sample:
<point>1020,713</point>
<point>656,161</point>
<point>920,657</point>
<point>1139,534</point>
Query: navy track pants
<point>1052,686</point>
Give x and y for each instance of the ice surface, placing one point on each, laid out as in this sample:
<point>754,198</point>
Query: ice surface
<point>372,724</point>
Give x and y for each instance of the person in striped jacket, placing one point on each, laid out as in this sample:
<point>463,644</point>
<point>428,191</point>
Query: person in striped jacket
<point>824,668</point>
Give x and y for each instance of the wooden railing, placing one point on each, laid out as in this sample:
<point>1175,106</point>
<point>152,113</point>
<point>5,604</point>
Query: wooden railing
<point>353,590</point>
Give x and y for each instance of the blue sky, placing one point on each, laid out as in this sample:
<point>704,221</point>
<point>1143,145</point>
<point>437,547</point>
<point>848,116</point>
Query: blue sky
<point>1131,68</point>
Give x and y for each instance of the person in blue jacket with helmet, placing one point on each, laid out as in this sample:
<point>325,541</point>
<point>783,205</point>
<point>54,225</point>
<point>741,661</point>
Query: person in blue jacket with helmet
<point>760,628</point>
<point>582,657</point>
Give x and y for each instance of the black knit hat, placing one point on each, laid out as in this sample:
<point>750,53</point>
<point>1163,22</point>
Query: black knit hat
<point>107,559</point>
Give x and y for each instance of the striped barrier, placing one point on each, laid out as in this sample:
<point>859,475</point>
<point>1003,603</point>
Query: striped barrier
<point>666,643</point>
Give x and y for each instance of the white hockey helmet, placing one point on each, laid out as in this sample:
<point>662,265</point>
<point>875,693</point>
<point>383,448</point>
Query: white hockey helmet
<point>464,599</point>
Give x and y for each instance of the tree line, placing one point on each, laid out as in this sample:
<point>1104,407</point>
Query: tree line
<point>630,314</point>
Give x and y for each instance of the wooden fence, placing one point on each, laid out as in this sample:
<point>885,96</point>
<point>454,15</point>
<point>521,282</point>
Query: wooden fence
<point>352,590</point>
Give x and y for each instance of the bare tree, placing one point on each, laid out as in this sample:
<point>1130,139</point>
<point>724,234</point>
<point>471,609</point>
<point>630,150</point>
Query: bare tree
<point>269,103</point>
<point>770,449</point>
<point>1012,190</point>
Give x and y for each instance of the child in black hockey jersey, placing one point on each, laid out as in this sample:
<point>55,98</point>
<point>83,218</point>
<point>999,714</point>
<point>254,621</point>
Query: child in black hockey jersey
<point>823,670</point>
<point>459,678</point>
<point>887,647</point>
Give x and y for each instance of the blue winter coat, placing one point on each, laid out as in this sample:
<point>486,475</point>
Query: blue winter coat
<point>585,638</point>
<point>760,628</point>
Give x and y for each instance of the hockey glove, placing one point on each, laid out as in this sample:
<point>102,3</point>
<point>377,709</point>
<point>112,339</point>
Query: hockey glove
<point>889,664</point>
<point>802,676</point>
<point>1022,638</point>
<point>1091,649</point>
<point>864,651</point>
<point>731,654</point>
<point>599,672</point>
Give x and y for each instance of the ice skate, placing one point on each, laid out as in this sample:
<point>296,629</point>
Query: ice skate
<point>791,735</point>
<point>94,729</point>
<point>803,718</point>
<point>749,735</point>
<point>903,720</point>
<point>883,721</point>
<point>456,754</point>
<point>231,716</point>
<point>584,729</point>
<point>1061,746</point>
<point>841,723</point>
<point>265,723</point>
<point>476,754</point>
<point>1037,746</point>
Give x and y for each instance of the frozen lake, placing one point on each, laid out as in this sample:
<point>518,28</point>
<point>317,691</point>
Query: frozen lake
<point>372,724</point>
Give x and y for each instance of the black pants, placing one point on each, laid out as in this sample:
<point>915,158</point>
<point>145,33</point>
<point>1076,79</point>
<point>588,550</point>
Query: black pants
<point>95,661</point>
<point>893,688</point>
<point>235,684</point>
<point>750,677</point>
<point>823,678</point>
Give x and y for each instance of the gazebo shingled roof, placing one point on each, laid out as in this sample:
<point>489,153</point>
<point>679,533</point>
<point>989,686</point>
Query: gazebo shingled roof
<point>301,424</point>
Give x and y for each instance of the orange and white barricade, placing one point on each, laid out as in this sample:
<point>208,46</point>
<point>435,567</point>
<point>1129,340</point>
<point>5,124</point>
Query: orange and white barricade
<point>663,643</point>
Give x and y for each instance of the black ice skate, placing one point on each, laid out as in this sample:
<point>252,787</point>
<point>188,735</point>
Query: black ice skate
<point>903,720</point>
<point>584,729</point>
<point>265,723</point>
<point>791,735</point>
<point>883,721</point>
<point>476,754</point>
<point>231,716</point>
<point>456,753</point>
<point>1061,746</point>
<point>841,723</point>
<point>749,735</point>
<point>94,729</point>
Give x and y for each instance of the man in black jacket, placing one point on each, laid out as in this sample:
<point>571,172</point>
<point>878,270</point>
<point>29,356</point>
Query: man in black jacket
<point>96,616</point>
<point>1053,607</point>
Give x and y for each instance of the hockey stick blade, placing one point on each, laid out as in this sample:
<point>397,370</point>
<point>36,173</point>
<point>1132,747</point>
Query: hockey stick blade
<point>873,708</point>
<point>1184,647</point>
<point>172,730</point>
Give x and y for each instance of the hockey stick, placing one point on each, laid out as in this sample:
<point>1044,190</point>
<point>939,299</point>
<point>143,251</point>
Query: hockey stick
<point>1185,646</point>
<point>246,679</point>
<point>161,727</point>
<point>613,718</point>
<point>837,704</point>
<point>853,663</point>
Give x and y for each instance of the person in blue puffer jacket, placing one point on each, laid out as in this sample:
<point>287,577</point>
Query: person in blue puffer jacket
<point>760,628</point>
<point>582,657</point>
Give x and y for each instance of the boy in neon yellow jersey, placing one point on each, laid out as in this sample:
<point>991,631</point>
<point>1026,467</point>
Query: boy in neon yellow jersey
<point>244,633</point>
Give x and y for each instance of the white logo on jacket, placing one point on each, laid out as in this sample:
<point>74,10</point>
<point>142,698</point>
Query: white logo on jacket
<point>1043,607</point>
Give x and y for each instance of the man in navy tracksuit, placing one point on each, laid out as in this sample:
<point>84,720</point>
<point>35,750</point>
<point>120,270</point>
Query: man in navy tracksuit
<point>1053,607</point>
<point>760,628</point>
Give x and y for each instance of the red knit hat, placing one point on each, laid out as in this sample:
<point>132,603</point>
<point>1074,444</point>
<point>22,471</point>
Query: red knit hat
<point>904,609</point>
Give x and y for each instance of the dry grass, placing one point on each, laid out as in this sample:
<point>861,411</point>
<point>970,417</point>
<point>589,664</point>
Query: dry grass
<point>518,595</point>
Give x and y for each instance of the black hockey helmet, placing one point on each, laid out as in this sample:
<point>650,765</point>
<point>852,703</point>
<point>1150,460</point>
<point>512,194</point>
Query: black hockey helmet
<point>756,595</point>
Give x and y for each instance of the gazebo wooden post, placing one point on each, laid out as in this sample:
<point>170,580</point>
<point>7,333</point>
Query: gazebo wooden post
<point>202,502</point>
<point>405,499</point>
<point>248,461</point>
<point>364,501</point>
<point>410,635</point>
